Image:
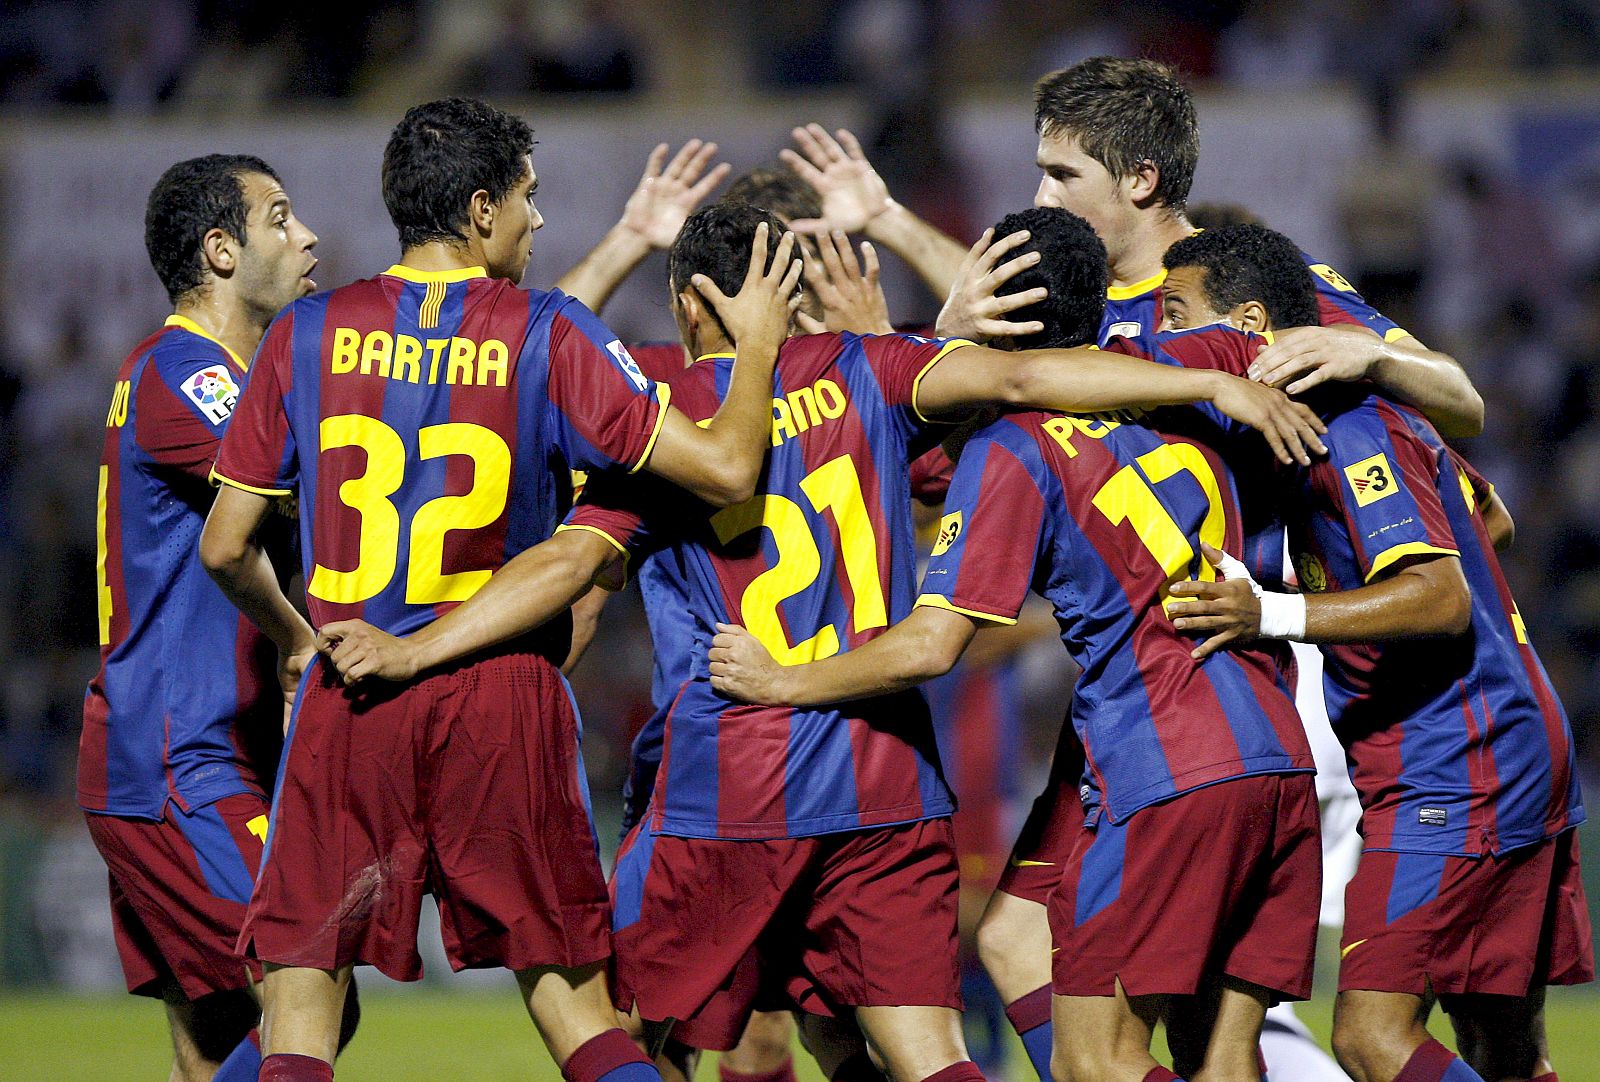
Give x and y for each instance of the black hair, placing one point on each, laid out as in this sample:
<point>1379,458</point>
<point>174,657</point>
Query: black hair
<point>1072,266</point>
<point>191,199</point>
<point>1123,112</point>
<point>439,154</point>
<point>1251,263</point>
<point>715,242</point>
<point>781,191</point>
<point>1217,215</point>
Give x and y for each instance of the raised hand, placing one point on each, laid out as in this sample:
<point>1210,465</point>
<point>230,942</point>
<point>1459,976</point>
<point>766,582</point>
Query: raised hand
<point>758,316</point>
<point>1299,358</point>
<point>1291,427</point>
<point>742,669</point>
<point>852,192</point>
<point>1230,608</point>
<point>852,300</point>
<point>360,651</point>
<point>973,310</point>
<point>667,196</point>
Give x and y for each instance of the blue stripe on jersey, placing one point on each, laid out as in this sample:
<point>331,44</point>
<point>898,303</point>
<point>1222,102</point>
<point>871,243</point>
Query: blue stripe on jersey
<point>531,501</point>
<point>691,756</point>
<point>223,866</point>
<point>1100,874</point>
<point>1416,882</point>
<point>628,878</point>
<point>304,408</point>
<point>1231,685</point>
<point>819,750</point>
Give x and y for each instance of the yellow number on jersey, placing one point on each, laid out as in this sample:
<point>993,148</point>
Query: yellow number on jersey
<point>1129,496</point>
<point>835,486</point>
<point>102,583</point>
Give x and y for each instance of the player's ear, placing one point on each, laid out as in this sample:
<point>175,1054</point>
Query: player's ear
<point>1143,180</point>
<point>480,211</point>
<point>220,251</point>
<point>1250,316</point>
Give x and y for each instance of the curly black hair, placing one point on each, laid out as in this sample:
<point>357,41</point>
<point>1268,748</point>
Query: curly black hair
<point>1251,263</point>
<point>439,154</point>
<point>779,190</point>
<point>715,242</point>
<point>191,199</point>
<point>1072,266</point>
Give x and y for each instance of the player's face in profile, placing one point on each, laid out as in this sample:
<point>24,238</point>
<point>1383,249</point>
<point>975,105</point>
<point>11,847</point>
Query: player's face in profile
<point>275,264</point>
<point>510,245</point>
<point>1076,182</point>
<point>1184,304</point>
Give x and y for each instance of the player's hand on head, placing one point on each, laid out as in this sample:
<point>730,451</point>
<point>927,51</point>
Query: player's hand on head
<point>852,299</point>
<point>1228,609</point>
<point>742,669</point>
<point>758,316</point>
<point>359,651</point>
<point>975,310</point>
<point>852,192</point>
<point>669,191</point>
<point>1292,428</point>
<point>1299,358</point>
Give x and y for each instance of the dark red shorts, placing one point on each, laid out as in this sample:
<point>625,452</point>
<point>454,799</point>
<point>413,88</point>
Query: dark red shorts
<point>178,892</point>
<point>1051,829</point>
<point>1497,925</point>
<point>1221,880</point>
<point>709,930</point>
<point>467,784</point>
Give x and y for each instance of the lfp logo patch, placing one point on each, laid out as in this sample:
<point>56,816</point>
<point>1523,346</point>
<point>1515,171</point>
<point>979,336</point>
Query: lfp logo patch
<point>214,391</point>
<point>630,367</point>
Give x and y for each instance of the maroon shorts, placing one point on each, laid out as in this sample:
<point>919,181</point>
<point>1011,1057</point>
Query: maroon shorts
<point>1221,880</point>
<point>709,930</point>
<point>178,893</point>
<point>1498,925</point>
<point>1051,829</point>
<point>467,784</point>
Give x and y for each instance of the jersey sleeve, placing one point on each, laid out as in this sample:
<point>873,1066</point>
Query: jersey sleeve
<point>604,411</point>
<point>1381,480</point>
<point>182,408</point>
<point>1338,302</point>
<point>1475,488</point>
<point>899,361</point>
<point>983,559</point>
<point>258,454</point>
<point>627,512</point>
<point>1217,348</point>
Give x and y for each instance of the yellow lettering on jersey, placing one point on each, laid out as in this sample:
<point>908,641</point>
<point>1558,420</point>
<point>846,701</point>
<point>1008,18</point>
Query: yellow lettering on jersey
<point>400,357</point>
<point>806,407</point>
<point>460,368</point>
<point>377,349</point>
<point>436,346</point>
<point>346,344</point>
<point>117,415</point>
<point>258,827</point>
<point>407,358</point>
<point>1063,428</point>
<point>1519,627</point>
<point>782,422</point>
<point>492,358</point>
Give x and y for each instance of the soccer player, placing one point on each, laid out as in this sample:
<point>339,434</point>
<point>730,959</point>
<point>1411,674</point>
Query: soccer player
<point>783,828</point>
<point>182,722</point>
<point>1118,146</point>
<point>1468,889</point>
<point>1206,768</point>
<point>427,420</point>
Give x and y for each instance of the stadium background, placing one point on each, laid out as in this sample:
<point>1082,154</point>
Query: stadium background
<point>1444,154</point>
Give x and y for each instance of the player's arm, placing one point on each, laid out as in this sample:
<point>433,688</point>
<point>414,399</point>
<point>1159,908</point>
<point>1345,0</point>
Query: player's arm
<point>1498,521</point>
<point>533,588</point>
<point>856,200</point>
<point>721,462</point>
<point>665,196</point>
<point>1300,358</point>
<point>1423,598</point>
<point>924,645</point>
<point>585,621</point>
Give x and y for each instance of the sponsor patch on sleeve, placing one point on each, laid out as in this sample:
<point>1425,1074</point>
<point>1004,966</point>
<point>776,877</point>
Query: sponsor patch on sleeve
<point>1371,479</point>
<point>949,531</point>
<point>214,390</point>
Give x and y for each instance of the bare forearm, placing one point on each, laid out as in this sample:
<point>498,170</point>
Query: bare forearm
<point>251,584</point>
<point>1407,605</point>
<point>585,620</point>
<point>1434,383</point>
<point>598,274</point>
<point>912,652</point>
<point>934,256</point>
<point>1085,380</point>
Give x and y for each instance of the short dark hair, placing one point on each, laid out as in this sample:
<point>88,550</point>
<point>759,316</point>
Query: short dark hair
<point>779,190</point>
<point>1217,215</point>
<point>1251,263</point>
<point>1123,112</point>
<point>1072,266</point>
<point>715,242</point>
<point>191,199</point>
<point>439,154</point>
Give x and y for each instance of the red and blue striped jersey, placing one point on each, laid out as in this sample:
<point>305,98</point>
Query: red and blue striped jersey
<point>820,560</point>
<point>1133,310</point>
<point>429,423</point>
<point>1100,515</point>
<point>183,676</point>
<point>1458,745</point>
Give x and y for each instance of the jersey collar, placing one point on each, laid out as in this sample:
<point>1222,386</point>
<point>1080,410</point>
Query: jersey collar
<point>411,274</point>
<point>714,357</point>
<point>192,327</point>
<point>1128,292</point>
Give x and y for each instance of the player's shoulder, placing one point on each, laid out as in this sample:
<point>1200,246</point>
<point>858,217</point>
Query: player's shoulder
<point>1326,274</point>
<point>1018,431</point>
<point>1214,346</point>
<point>663,362</point>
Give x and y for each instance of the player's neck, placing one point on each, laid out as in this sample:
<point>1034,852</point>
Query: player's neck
<point>225,319</point>
<point>441,255</point>
<point>1140,259</point>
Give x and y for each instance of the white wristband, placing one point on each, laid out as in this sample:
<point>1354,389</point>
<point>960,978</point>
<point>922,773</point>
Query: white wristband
<point>1283,616</point>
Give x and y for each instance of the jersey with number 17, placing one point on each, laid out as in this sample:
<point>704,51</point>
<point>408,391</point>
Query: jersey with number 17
<point>430,422</point>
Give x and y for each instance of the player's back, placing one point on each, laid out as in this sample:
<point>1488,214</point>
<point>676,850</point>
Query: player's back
<point>430,423</point>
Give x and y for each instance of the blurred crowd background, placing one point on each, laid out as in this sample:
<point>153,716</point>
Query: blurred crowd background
<point>1443,154</point>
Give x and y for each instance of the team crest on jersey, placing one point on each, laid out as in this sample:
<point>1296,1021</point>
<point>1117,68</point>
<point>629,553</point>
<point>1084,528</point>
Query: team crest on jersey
<point>214,391</point>
<point>629,365</point>
<point>1313,577</point>
<point>1332,277</point>
<point>949,531</point>
<point>1371,479</point>
<point>1128,328</point>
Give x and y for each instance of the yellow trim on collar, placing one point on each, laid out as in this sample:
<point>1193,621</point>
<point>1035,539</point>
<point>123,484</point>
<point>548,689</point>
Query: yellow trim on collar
<point>1128,292</point>
<point>192,327</point>
<point>412,274</point>
<point>715,357</point>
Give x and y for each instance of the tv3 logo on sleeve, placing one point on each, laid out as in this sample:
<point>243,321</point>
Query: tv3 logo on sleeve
<point>1371,479</point>
<point>949,531</point>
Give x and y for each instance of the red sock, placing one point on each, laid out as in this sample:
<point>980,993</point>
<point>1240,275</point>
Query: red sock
<point>599,1056</point>
<point>1160,1074</point>
<point>1427,1064</point>
<point>858,1068</point>
<point>965,1071</point>
<point>1031,1011</point>
<point>285,1067</point>
<point>1551,1077</point>
<point>784,1073</point>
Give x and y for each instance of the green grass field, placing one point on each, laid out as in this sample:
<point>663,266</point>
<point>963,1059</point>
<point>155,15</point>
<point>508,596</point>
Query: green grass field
<point>441,1035</point>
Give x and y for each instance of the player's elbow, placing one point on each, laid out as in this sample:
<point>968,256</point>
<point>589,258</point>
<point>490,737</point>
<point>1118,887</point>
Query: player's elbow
<point>1024,382</point>
<point>223,556</point>
<point>1443,605</point>
<point>728,483</point>
<point>1466,419</point>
